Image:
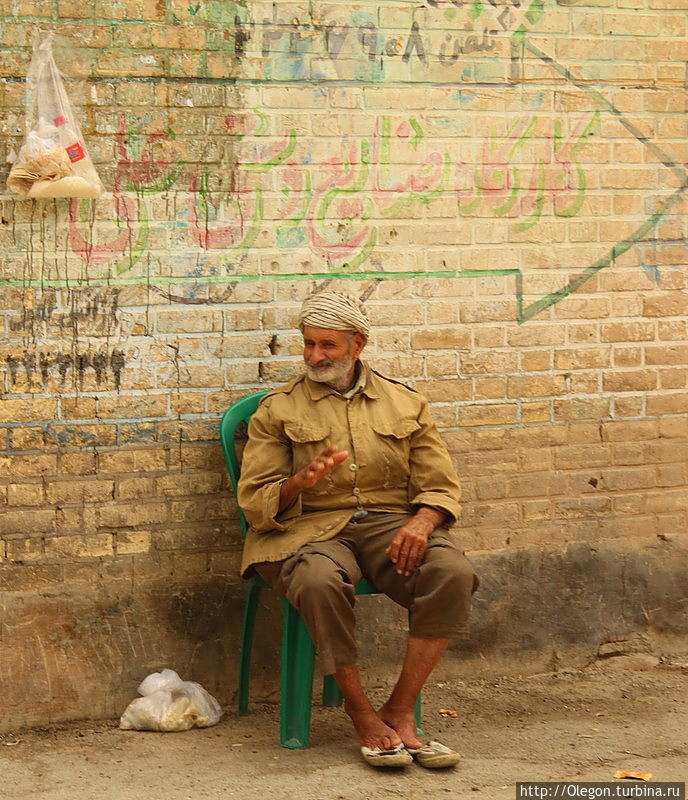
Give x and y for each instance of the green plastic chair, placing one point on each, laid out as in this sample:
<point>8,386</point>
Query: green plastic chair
<point>298,650</point>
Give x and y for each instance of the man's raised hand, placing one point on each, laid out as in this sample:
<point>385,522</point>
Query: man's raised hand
<point>320,466</point>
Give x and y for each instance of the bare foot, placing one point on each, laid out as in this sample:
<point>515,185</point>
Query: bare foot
<point>371,730</point>
<point>403,722</point>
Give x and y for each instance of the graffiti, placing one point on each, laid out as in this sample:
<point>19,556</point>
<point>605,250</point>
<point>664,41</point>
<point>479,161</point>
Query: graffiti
<point>80,311</point>
<point>509,189</point>
<point>364,43</point>
<point>137,172</point>
<point>291,48</point>
<point>44,364</point>
<point>337,209</point>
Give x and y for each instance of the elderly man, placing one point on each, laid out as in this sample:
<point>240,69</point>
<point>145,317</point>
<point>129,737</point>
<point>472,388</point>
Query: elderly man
<point>344,475</point>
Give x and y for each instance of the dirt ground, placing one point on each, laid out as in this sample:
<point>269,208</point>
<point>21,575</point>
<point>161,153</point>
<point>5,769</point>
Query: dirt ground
<point>626,713</point>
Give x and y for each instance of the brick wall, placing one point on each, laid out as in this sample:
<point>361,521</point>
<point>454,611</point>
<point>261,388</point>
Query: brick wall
<point>503,184</point>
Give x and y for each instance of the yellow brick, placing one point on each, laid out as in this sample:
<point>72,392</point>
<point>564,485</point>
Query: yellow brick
<point>25,494</point>
<point>536,412</point>
<point>674,428</point>
<point>536,386</point>
<point>666,354</point>
<point>628,356</point>
<point>628,406</point>
<point>75,8</point>
<point>133,406</point>
<point>90,491</point>
<point>629,431</point>
<point>629,454</point>
<point>190,377</point>
<point>202,508</point>
<point>134,488</point>
<point>581,358</point>
<point>583,333</point>
<point>536,360</point>
<point>488,311</point>
<point>127,542</point>
<point>674,403</point>
<point>627,331</point>
<point>27,438</point>
<point>77,463</point>
<point>27,410</point>
<point>488,362</point>
<point>25,551</point>
<point>190,483</point>
<point>445,391</point>
<point>673,378</point>
<point>530,335</point>
<point>489,336</point>
<point>498,414</point>
<point>441,339</point>
<point>625,479</point>
<point>188,403</point>
<point>27,466</point>
<point>251,346</point>
<point>672,475</point>
<point>77,407</point>
<point>439,366</point>
<point>581,408</point>
<point>196,321</point>
<point>583,308</point>
<point>128,516</point>
<point>19,522</point>
<point>672,305</point>
<point>490,388</point>
<point>95,545</point>
<point>133,461</point>
<point>629,380</point>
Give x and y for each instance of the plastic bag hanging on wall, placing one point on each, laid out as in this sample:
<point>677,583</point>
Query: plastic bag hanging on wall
<point>53,160</point>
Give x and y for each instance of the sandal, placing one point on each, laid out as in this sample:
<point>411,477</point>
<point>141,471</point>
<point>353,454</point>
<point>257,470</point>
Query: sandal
<point>434,755</point>
<point>394,757</point>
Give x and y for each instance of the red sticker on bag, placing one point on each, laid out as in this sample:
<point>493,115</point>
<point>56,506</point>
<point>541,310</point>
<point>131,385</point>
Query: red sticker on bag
<point>75,152</point>
<point>59,120</point>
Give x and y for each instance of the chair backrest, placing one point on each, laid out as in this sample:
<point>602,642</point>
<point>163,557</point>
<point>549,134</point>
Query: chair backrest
<point>239,412</point>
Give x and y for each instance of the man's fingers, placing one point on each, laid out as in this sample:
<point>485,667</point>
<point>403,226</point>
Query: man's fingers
<point>407,553</point>
<point>323,464</point>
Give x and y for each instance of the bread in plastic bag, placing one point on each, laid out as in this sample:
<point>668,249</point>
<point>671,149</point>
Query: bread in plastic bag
<point>170,704</point>
<point>53,160</point>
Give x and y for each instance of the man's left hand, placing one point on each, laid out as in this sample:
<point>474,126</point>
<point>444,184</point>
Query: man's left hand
<point>410,542</point>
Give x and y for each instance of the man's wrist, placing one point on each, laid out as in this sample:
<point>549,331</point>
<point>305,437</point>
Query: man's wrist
<point>431,518</point>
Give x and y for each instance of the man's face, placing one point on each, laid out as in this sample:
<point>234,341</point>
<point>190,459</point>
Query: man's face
<point>330,355</point>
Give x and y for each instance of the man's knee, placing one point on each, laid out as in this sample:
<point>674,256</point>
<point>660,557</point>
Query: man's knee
<point>315,578</point>
<point>450,573</point>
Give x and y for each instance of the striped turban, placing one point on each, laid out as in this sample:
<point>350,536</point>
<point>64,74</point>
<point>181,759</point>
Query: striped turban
<point>334,311</point>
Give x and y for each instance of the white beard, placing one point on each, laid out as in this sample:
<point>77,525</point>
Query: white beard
<point>335,372</point>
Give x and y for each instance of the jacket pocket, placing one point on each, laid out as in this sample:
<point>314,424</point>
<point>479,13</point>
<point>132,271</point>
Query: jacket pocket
<point>307,440</point>
<point>393,449</point>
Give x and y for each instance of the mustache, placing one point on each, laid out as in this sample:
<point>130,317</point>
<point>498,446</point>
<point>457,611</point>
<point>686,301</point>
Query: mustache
<point>321,365</point>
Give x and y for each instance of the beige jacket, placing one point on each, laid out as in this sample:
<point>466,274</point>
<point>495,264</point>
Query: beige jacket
<point>396,462</point>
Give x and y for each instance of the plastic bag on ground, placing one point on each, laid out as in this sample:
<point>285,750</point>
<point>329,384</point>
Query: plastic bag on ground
<point>170,704</point>
<point>53,160</point>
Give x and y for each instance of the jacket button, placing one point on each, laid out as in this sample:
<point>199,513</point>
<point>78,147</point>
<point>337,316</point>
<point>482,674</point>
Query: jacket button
<point>353,467</point>
<point>357,491</point>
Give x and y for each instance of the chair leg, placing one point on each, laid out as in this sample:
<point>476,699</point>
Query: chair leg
<point>332,694</point>
<point>298,661</point>
<point>250,609</point>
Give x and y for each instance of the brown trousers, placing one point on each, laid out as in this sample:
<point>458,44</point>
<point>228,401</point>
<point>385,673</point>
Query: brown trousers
<point>320,581</point>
